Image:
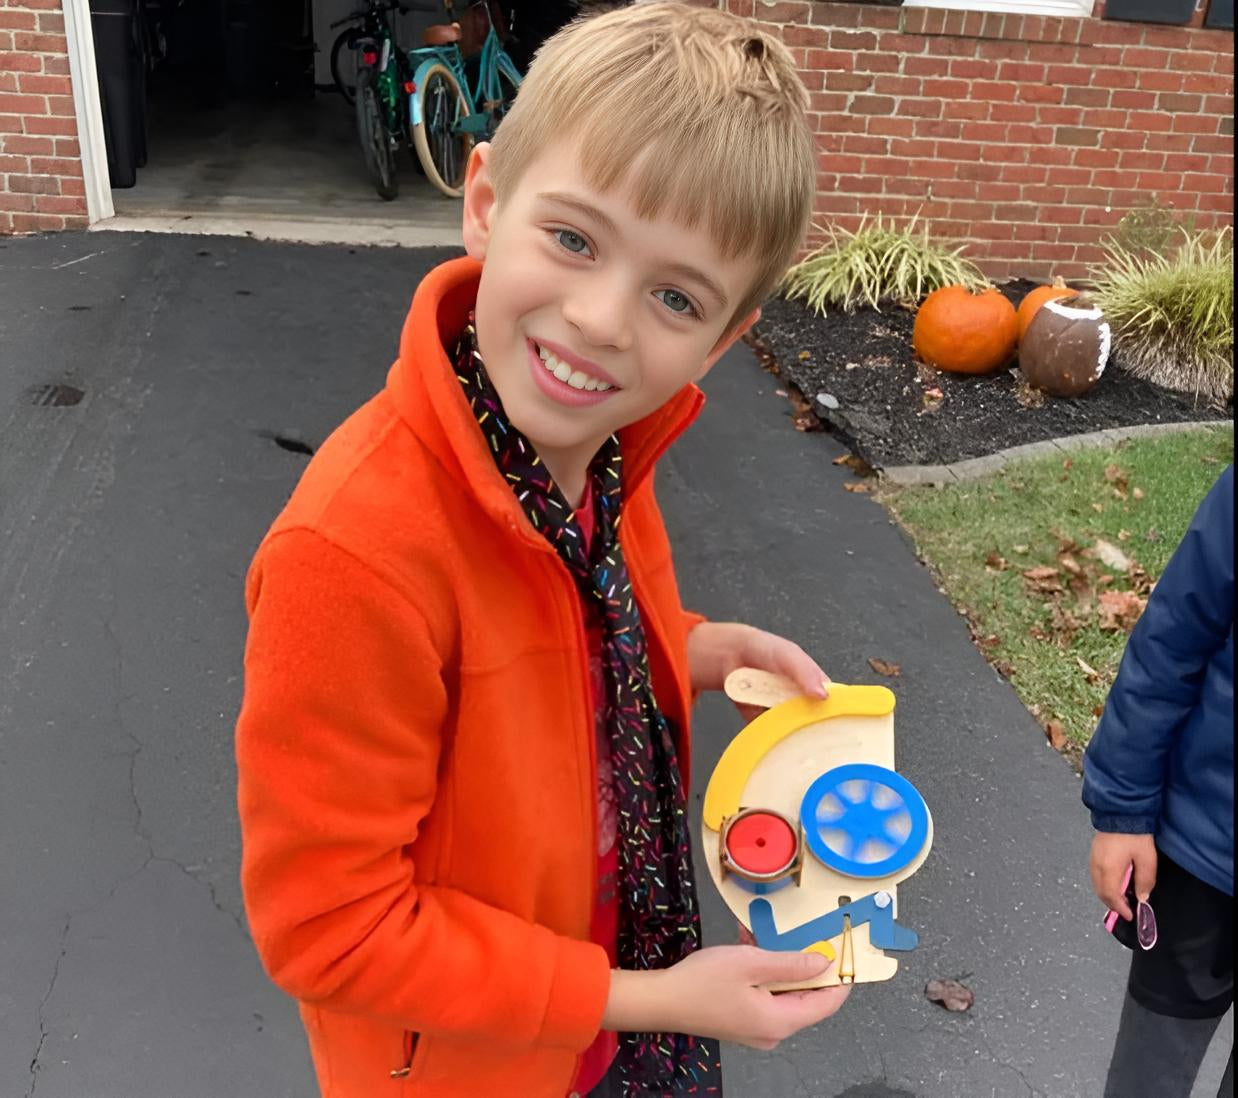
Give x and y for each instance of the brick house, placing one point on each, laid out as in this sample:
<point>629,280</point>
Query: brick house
<point>1024,127</point>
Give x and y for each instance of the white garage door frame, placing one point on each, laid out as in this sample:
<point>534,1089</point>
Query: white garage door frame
<point>88,108</point>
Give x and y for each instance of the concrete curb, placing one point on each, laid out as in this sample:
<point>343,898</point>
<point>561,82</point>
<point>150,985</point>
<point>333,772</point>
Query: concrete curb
<point>974,468</point>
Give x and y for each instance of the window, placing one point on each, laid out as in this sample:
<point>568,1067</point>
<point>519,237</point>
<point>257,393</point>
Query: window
<point>1062,8</point>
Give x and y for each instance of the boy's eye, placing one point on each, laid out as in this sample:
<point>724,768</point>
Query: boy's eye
<point>677,302</point>
<point>572,241</point>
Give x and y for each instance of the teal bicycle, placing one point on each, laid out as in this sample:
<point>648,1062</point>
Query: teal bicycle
<point>448,112</point>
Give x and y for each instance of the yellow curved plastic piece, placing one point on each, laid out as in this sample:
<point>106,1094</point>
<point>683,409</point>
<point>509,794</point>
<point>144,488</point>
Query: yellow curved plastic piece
<point>824,948</point>
<point>739,760</point>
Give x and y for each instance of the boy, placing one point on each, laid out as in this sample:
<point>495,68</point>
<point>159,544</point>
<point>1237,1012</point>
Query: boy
<point>463,747</point>
<point>1159,779</point>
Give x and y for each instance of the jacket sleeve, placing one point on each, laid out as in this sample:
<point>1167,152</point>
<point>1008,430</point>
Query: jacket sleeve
<point>1188,617</point>
<point>338,745</point>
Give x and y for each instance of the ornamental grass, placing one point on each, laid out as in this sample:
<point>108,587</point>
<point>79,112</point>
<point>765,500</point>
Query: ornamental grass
<point>1172,312</point>
<point>878,264</point>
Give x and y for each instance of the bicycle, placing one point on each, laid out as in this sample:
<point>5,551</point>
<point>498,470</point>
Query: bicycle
<point>383,80</point>
<point>446,114</point>
<point>346,49</point>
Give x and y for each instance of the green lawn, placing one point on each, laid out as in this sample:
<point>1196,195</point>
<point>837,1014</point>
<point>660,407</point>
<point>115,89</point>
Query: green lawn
<point>1046,632</point>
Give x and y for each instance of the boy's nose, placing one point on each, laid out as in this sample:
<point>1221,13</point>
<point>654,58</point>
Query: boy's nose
<point>602,317</point>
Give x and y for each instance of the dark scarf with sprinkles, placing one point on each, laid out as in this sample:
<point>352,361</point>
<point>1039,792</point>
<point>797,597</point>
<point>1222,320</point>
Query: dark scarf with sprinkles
<point>658,919</point>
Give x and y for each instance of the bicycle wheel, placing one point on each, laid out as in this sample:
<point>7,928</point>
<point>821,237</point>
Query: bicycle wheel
<point>344,64</point>
<point>443,150</point>
<point>375,139</point>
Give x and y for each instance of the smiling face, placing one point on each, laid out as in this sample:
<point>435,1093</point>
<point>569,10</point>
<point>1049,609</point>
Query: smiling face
<point>590,317</point>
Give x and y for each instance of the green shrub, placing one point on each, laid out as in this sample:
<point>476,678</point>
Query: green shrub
<point>1171,312</point>
<point>1152,229</point>
<point>876,264</point>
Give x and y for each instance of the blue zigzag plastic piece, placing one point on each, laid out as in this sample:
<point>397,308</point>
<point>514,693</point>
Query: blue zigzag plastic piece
<point>883,931</point>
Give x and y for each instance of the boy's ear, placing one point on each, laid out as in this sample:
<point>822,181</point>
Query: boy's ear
<point>727,341</point>
<point>479,202</point>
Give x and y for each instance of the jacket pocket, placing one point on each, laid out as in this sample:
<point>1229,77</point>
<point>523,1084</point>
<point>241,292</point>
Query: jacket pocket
<point>404,1070</point>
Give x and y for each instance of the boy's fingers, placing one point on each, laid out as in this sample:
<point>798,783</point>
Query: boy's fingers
<point>1145,872</point>
<point>806,1008</point>
<point>775,967</point>
<point>1107,881</point>
<point>791,660</point>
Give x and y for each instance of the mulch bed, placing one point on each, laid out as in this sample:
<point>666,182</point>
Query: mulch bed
<point>893,411</point>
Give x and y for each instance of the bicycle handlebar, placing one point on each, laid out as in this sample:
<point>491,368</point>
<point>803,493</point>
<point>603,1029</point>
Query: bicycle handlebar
<point>389,5</point>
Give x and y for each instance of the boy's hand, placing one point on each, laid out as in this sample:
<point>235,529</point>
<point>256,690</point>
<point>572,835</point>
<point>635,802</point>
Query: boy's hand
<point>716,648</point>
<point>1111,854</point>
<point>715,993</point>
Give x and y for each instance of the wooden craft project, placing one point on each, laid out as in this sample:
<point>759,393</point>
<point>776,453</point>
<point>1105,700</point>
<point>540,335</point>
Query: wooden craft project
<point>808,829</point>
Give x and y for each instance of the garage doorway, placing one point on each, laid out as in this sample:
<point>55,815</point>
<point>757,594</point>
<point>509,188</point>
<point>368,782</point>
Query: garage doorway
<point>237,126</point>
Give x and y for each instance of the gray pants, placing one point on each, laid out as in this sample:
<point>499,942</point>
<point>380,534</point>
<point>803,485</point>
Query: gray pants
<point>1158,1055</point>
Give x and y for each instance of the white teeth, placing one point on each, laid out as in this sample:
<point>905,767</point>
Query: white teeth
<point>577,379</point>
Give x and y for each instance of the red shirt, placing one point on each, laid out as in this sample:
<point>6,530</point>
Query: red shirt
<point>596,1059</point>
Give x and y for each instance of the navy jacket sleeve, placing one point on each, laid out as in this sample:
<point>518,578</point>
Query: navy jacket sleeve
<point>1188,617</point>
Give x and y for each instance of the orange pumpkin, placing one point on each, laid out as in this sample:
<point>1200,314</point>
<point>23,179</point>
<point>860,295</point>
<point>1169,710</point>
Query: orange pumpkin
<point>1034,300</point>
<point>966,333</point>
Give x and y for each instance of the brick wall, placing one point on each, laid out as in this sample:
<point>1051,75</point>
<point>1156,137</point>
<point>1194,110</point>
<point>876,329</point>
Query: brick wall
<point>1026,136</point>
<point>41,183</point>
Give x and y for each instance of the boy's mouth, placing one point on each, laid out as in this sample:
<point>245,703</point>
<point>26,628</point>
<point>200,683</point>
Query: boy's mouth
<point>565,367</point>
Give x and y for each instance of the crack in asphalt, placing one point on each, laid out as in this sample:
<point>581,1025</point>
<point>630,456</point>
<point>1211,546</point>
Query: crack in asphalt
<point>38,1051</point>
<point>139,826</point>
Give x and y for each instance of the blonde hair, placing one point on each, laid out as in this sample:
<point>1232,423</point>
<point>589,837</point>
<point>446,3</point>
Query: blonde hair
<point>704,109</point>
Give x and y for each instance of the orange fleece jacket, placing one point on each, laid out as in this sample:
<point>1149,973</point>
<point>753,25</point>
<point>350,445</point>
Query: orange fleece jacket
<point>415,745</point>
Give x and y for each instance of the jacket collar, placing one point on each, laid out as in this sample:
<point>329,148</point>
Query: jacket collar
<point>428,397</point>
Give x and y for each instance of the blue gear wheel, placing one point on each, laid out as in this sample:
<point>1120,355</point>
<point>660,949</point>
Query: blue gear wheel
<point>864,820</point>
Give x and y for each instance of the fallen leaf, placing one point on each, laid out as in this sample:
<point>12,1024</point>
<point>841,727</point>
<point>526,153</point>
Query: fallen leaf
<point>1141,583</point>
<point>996,562</point>
<point>1097,710</point>
<point>857,464</point>
<point>1069,564</point>
<point>1004,668</point>
<point>1027,396</point>
<point>1044,579</point>
<point>882,667</point>
<point>858,486</point>
<point>1119,610</point>
<point>1124,535</point>
<point>1110,555</point>
<point>951,994</point>
<point>1068,463</point>
<point>1019,548</point>
<point>1092,675</point>
<point>1137,493</point>
<point>1055,734</point>
<point>804,356</point>
<point>1099,508</point>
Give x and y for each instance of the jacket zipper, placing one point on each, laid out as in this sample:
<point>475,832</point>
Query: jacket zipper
<point>411,1040</point>
<point>582,643</point>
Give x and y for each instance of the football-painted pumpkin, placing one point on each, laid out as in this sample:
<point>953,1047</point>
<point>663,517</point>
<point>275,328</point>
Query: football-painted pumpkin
<point>1065,348</point>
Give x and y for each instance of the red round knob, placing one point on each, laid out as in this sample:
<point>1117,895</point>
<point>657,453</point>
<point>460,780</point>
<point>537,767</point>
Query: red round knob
<point>760,843</point>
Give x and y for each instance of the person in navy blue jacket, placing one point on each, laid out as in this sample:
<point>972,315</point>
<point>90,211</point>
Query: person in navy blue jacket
<point>1158,778</point>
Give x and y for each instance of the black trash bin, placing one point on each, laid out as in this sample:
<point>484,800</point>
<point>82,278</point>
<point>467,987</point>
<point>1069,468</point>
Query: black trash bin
<point>121,67</point>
